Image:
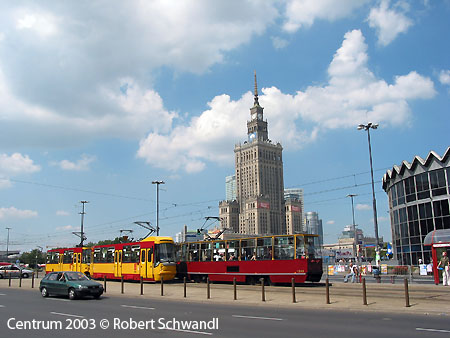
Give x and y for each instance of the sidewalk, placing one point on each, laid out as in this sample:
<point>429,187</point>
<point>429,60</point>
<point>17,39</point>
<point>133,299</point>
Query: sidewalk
<point>389,298</point>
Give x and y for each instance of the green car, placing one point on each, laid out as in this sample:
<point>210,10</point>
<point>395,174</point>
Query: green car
<point>69,283</point>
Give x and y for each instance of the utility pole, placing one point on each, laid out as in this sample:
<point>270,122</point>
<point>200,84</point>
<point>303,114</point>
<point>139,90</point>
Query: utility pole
<point>82,222</point>
<point>7,244</point>
<point>355,240</point>
<point>157,204</point>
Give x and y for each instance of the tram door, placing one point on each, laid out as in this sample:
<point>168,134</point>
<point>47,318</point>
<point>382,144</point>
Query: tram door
<point>118,263</point>
<point>146,263</point>
<point>76,262</point>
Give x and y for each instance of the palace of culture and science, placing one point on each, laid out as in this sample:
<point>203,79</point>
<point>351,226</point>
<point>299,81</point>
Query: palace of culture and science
<point>259,205</point>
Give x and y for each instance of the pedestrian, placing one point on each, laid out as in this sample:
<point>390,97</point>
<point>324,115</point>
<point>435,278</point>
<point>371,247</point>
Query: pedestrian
<point>444,266</point>
<point>351,273</point>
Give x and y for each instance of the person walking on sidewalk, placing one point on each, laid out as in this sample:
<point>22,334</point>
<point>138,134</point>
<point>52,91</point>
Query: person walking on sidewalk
<point>352,270</point>
<point>444,265</point>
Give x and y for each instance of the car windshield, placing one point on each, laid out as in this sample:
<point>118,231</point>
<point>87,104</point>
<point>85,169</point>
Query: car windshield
<point>75,276</point>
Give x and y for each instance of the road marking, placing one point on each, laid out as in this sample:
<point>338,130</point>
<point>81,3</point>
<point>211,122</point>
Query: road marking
<point>66,314</point>
<point>2,294</point>
<point>252,317</point>
<point>432,330</point>
<point>138,307</point>
<point>189,331</point>
<point>61,300</point>
<point>2,305</point>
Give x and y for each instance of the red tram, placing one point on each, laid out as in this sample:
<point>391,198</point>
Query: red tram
<point>277,259</point>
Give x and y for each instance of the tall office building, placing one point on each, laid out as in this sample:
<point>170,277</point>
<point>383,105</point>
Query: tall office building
<point>294,211</point>
<point>230,188</point>
<point>314,225</point>
<point>259,179</point>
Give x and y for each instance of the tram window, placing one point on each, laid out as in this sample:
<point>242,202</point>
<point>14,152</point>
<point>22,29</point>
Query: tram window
<point>184,253</point>
<point>284,247</point>
<point>126,254</point>
<point>300,247</point>
<point>135,253</point>
<point>68,257</point>
<point>193,252</point>
<point>143,256</point>
<point>110,255</point>
<point>248,250</point>
<point>205,252</point>
<point>219,251</point>
<point>310,247</point>
<point>86,256</point>
<point>97,256</point>
<point>232,250</point>
<point>264,248</point>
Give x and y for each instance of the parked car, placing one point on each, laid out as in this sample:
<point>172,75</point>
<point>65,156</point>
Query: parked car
<point>69,283</point>
<point>15,271</point>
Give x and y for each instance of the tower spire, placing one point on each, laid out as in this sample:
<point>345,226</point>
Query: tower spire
<point>256,91</point>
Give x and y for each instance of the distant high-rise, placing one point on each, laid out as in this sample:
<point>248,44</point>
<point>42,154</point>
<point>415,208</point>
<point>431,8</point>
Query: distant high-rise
<point>230,187</point>
<point>294,211</point>
<point>314,225</point>
<point>259,180</point>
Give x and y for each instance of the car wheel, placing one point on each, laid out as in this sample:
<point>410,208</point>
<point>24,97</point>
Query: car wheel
<point>25,275</point>
<point>97,296</point>
<point>1,276</point>
<point>72,294</point>
<point>44,292</point>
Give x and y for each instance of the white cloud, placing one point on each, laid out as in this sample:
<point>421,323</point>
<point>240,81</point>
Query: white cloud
<point>331,222</point>
<point>86,55</point>
<point>353,95</point>
<point>363,207</point>
<point>81,165</point>
<point>444,76</point>
<point>62,213</point>
<point>389,22</point>
<point>16,164</point>
<point>13,212</point>
<point>303,13</point>
<point>65,228</point>
<point>279,43</point>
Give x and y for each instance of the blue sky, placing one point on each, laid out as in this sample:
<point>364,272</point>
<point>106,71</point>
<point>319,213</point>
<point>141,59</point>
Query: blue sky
<point>99,98</point>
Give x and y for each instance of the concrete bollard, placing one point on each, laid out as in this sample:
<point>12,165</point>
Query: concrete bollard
<point>121,284</point>
<point>142,285</point>
<point>293,290</point>
<point>263,293</point>
<point>104,284</point>
<point>162,286</point>
<point>234,288</point>
<point>208,291</point>
<point>406,293</point>
<point>327,294</point>
<point>184,284</point>
<point>364,291</point>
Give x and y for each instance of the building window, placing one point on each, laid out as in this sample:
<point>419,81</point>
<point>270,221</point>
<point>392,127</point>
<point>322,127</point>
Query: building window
<point>400,193</point>
<point>426,219</point>
<point>437,180</point>
<point>441,214</point>
<point>410,189</point>
<point>423,187</point>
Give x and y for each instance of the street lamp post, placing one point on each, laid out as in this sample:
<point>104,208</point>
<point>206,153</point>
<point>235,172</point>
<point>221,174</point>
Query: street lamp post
<point>157,204</point>
<point>367,127</point>
<point>355,241</point>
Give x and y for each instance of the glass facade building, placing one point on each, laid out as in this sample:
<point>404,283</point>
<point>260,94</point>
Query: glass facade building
<point>419,198</point>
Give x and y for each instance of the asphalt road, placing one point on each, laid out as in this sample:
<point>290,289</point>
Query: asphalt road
<point>21,307</point>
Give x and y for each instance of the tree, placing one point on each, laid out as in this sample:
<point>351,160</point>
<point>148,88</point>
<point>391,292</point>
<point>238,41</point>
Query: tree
<point>33,257</point>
